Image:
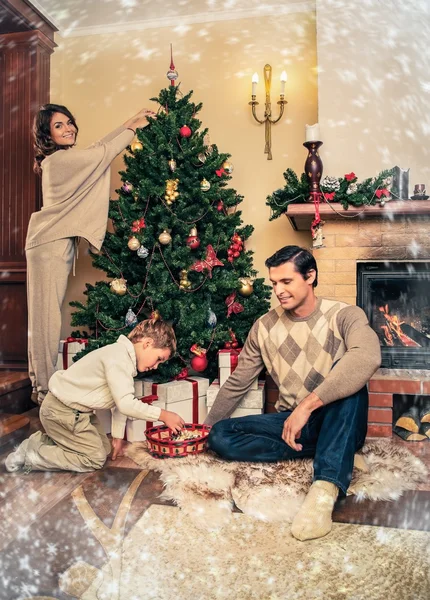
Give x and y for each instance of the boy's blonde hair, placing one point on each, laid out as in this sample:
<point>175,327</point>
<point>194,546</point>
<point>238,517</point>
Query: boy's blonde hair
<point>161,332</point>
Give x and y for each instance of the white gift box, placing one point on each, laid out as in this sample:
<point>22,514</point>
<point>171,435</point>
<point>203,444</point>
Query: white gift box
<point>66,352</point>
<point>251,404</point>
<point>176,396</point>
<point>227,362</point>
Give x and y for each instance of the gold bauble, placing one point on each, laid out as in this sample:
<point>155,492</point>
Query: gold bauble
<point>119,286</point>
<point>205,185</point>
<point>133,243</point>
<point>228,167</point>
<point>246,287</point>
<point>165,238</point>
<point>135,146</point>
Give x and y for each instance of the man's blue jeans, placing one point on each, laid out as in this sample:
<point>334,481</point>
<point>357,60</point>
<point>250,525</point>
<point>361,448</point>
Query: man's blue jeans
<point>331,437</point>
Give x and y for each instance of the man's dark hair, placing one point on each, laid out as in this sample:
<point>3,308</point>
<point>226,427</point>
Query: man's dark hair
<point>301,258</point>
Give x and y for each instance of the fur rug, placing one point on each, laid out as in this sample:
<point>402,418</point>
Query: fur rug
<point>207,488</point>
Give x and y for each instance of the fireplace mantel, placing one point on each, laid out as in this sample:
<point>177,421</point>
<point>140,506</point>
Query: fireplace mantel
<point>301,215</point>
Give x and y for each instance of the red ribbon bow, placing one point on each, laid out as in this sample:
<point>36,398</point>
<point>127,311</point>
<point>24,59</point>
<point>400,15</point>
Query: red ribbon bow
<point>232,306</point>
<point>382,192</point>
<point>208,263</point>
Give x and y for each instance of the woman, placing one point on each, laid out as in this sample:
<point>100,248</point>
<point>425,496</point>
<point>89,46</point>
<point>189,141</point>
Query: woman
<point>75,189</point>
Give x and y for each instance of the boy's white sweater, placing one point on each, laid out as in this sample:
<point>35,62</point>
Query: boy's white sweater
<point>104,379</point>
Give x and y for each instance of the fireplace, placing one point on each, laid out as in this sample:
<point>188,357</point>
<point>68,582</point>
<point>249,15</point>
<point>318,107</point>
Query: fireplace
<point>396,299</point>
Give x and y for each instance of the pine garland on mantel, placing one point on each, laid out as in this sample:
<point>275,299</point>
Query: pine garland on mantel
<point>345,190</point>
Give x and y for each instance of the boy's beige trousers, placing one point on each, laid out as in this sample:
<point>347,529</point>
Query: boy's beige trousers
<point>74,441</point>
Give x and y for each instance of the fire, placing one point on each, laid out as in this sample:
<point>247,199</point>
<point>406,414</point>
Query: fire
<point>393,334</point>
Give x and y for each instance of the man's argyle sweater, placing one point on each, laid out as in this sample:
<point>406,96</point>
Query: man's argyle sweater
<point>299,354</point>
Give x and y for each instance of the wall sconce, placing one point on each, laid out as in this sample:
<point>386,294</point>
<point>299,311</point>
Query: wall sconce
<point>268,121</point>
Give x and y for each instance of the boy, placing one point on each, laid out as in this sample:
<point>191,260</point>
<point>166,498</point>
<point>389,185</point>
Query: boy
<point>74,439</point>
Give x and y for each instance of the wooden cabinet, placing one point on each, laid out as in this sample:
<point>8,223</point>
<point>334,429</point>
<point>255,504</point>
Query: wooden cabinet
<point>24,86</point>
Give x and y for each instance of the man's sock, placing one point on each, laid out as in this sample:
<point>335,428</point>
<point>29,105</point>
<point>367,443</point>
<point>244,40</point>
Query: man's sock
<point>314,517</point>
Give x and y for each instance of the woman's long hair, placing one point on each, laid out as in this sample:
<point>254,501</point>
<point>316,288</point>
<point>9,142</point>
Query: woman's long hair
<point>43,142</point>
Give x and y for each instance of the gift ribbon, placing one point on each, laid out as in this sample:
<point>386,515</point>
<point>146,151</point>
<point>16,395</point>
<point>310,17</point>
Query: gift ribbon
<point>70,340</point>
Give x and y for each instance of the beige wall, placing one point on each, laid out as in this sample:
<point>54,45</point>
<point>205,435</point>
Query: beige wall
<point>104,79</point>
<point>373,89</point>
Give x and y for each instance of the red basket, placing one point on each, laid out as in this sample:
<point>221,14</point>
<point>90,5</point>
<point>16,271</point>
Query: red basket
<point>161,444</point>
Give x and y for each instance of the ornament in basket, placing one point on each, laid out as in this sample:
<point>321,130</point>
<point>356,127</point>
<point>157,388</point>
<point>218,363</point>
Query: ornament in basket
<point>163,443</point>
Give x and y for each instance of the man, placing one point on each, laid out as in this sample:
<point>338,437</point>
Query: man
<point>320,353</point>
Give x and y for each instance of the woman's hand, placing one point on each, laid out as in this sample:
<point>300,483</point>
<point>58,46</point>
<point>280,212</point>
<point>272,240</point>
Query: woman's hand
<point>172,420</point>
<point>140,120</point>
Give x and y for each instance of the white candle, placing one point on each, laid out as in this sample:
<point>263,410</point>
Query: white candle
<point>313,133</point>
<point>283,80</point>
<point>254,83</point>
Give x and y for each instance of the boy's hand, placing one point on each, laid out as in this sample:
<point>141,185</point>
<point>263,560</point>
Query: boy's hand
<point>118,447</point>
<point>172,420</point>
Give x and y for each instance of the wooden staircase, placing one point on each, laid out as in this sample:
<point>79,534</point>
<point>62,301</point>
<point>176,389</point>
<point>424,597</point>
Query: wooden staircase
<point>15,398</point>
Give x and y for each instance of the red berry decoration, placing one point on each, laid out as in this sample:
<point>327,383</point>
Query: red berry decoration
<point>199,363</point>
<point>235,247</point>
<point>185,131</point>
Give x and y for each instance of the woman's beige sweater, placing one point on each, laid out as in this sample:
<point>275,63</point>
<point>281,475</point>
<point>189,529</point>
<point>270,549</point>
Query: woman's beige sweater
<point>75,188</point>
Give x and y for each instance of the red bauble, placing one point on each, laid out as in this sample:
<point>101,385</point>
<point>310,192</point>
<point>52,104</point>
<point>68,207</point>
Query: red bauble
<point>235,247</point>
<point>234,344</point>
<point>236,254</point>
<point>193,242</point>
<point>185,131</point>
<point>199,363</point>
<point>230,259</point>
<point>227,345</point>
<point>220,205</point>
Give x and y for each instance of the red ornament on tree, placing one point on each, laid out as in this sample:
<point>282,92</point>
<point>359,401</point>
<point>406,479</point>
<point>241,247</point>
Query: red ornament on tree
<point>199,363</point>
<point>220,206</point>
<point>185,131</point>
<point>193,241</point>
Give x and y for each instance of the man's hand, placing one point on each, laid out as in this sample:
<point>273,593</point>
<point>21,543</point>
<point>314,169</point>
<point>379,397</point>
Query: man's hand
<point>293,426</point>
<point>297,420</point>
<point>118,448</point>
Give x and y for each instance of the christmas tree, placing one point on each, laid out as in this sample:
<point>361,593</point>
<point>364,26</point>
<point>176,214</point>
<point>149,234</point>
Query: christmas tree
<point>178,246</point>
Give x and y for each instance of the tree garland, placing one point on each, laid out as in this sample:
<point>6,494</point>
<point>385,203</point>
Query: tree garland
<point>345,190</point>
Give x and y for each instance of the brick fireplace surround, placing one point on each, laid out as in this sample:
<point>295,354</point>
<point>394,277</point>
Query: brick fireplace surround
<point>399,231</point>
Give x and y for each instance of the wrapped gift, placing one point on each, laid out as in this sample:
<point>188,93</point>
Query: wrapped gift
<point>135,428</point>
<point>186,397</point>
<point>67,350</point>
<point>251,404</point>
<point>227,363</point>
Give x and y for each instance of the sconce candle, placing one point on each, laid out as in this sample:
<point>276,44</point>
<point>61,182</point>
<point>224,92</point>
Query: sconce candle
<point>312,133</point>
<point>254,83</point>
<point>283,80</point>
